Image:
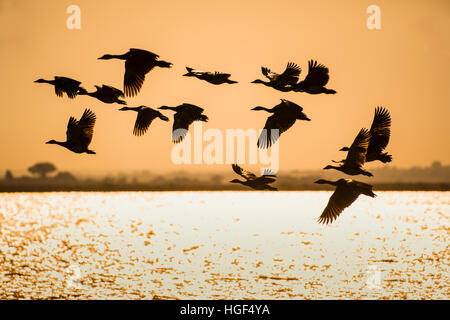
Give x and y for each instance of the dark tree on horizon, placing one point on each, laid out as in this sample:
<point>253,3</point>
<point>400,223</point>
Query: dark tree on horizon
<point>42,169</point>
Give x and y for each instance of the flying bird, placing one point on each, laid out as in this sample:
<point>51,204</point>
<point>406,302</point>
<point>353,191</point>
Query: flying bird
<point>79,133</point>
<point>252,181</point>
<point>63,85</point>
<point>315,80</point>
<point>346,192</point>
<point>283,117</point>
<point>138,63</point>
<point>185,115</point>
<point>144,118</point>
<point>211,77</point>
<point>106,94</point>
<point>356,156</point>
<point>282,82</point>
<point>380,132</point>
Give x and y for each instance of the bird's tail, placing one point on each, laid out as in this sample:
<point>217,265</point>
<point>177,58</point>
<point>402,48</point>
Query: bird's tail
<point>231,81</point>
<point>163,117</point>
<point>82,91</point>
<point>329,91</point>
<point>164,64</point>
<point>90,152</point>
<point>367,173</point>
<point>271,188</point>
<point>385,157</point>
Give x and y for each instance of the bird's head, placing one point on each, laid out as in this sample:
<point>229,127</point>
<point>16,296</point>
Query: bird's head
<point>235,181</point>
<point>344,149</point>
<point>40,80</point>
<point>164,108</point>
<point>328,167</point>
<point>321,181</point>
<point>258,108</point>
<point>105,57</point>
<point>124,109</point>
<point>51,142</point>
<point>257,81</point>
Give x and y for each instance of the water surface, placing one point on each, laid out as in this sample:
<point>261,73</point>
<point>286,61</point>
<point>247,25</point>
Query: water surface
<point>222,245</point>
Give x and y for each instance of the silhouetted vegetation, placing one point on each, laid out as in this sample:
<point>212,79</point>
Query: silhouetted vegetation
<point>433,178</point>
<point>42,169</point>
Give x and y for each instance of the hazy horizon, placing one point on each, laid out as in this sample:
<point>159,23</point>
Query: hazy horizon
<point>402,67</point>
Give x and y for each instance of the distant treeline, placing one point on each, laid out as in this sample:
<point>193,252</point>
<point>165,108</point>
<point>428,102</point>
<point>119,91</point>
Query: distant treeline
<point>433,178</point>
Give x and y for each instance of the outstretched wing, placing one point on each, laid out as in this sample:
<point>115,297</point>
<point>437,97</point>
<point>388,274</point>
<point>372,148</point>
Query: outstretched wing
<point>191,108</point>
<point>278,121</point>
<point>143,120</point>
<point>272,76</point>
<point>136,67</point>
<point>317,74</point>
<point>67,85</point>
<point>290,75</point>
<point>243,173</point>
<point>81,132</point>
<point>108,90</point>
<point>380,130</point>
<point>180,127</point>
<point>356,156</point>
<point>339,200</point>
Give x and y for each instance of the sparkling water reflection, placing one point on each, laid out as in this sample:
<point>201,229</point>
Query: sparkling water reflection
<point>222,245</point>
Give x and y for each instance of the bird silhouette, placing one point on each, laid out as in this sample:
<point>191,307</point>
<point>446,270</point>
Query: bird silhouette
<point>79,133</point>
<point>380,132</point>
<point>185,114</point>
<point>315,80</point>
<point>356,156</point>
<point>283,117</point>
<point>252,181</point>
<point>144,118</point>
<point>138,63</point>
<point>106,94</point>
<point>211,77</point>
<point>63,84</point>
<point>282,82</point>
<point>346,192</point>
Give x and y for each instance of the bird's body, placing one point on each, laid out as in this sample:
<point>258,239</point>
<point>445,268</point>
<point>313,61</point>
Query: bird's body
<point>281,82</point>
<point>252,181</point>
<point>106,94</point>
<point>185,115</point>
<point>138,63</point>
<point>356,157</point>
<point>63,85</point>
<point>79,133</point>
<point>144,118</point>
<point>380,132</point>
<point>211,77</point>
<point>283,117</point>
<point>347,191</point>
<point>315,80</point>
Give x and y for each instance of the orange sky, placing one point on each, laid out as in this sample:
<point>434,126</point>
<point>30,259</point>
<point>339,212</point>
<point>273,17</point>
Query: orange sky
<point>404,67</point>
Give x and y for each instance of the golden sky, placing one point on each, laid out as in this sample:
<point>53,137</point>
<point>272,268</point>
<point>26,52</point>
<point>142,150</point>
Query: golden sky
<point>404,67</point>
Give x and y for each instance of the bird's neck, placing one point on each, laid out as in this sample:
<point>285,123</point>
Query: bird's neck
<point>117,56</point>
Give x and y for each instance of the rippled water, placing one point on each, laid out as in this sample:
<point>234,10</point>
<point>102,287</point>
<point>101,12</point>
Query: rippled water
<point>223,245</point>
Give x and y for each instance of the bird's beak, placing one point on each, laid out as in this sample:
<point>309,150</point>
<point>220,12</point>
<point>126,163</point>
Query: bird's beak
<point>122,109</point>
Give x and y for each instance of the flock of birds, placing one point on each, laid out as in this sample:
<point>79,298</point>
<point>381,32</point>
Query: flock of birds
<point>369,145</point>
